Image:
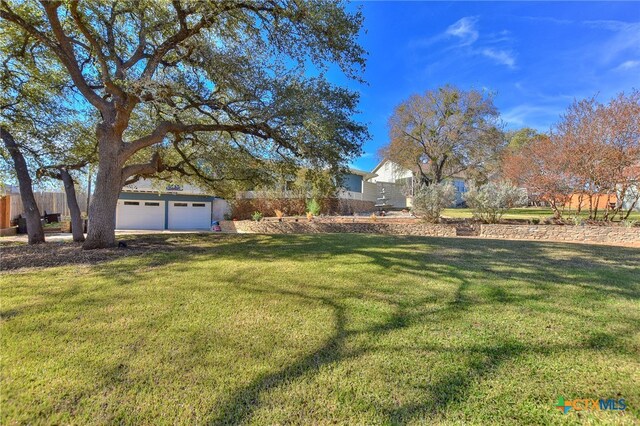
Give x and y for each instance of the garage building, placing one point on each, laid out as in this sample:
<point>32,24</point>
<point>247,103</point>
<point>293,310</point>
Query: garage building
<point>140,207</point>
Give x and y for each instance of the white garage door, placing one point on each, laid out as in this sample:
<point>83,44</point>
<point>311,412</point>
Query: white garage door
<point>189,215</point>
<point>140,214</point>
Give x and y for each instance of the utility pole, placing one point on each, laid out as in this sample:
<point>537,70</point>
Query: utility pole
<point>89,190</point>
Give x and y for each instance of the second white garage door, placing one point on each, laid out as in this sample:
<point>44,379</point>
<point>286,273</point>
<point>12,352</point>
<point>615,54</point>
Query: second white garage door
<point>189,215</point>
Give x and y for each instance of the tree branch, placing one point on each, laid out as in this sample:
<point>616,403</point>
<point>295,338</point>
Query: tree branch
<point>261,130</point>
<point>97,47</point>
<point>153,166</point>
<point>67,57</point>
<point>185,32</point>
<point>9,15</point>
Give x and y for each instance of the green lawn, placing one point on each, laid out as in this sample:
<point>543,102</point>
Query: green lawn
<point>525,213</point>
<point>319,329</point>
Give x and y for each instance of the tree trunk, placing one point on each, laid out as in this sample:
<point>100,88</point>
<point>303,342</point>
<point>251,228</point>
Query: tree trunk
<point>34,225</point>
<point>74,208</point>
<point>632,206</point>
<point>102,211</point>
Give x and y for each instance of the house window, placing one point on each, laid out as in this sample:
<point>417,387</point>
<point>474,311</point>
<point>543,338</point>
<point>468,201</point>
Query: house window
<point>151,204</point>
<point>198,204</point>
<point>180,204</point>
<point>131,203</point>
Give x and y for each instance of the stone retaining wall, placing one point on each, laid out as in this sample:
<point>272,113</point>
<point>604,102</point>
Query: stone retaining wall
<point>304,227</point>
<point>586,234</point>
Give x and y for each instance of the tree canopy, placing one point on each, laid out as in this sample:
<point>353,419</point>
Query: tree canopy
<point>519,138</point>
<point>444,132</point>
<point>213,90</point>
<point>592,154</point>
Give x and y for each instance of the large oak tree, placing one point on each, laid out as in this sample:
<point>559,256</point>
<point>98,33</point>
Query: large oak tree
<point>444,132</point>
<point>175,84</point>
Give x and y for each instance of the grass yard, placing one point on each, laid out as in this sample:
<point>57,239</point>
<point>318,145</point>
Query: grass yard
<point>525,213</point>
<point>319,329</point>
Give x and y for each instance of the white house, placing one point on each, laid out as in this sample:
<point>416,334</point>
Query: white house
<point>399,183</point>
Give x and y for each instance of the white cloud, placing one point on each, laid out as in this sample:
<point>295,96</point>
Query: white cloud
<point>539,117</point>
<point>548,19</point>
<point>627,65</point>
<point>469,42</point>
<point>465,30</point>
<point>625,38</point>
<point>500,56</point>
<point>518,115</point>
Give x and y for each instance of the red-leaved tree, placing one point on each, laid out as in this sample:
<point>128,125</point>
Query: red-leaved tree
<point>592,155</point>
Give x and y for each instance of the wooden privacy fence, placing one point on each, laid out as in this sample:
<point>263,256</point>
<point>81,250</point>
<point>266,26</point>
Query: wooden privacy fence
<point>5,205</point>
<point>51,202</point>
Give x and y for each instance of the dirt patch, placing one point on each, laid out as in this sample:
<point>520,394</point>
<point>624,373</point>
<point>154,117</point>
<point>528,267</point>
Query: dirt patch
<point>20,256</point>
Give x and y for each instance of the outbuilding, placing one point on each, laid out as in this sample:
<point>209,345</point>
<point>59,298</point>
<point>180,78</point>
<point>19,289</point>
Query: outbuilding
<point>143,206</point>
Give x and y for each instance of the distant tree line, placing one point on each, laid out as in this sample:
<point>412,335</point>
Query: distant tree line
<point>591,153</point>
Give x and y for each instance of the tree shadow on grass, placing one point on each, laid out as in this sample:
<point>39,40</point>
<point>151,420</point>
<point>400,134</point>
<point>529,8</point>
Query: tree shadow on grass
<point>239,406</point>
<point>535,265</point>
<point>451,388</point>
<point>468,264</point>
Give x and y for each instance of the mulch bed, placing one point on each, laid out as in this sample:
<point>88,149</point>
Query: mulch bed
<point>20,256</point>
<point>53,254</point>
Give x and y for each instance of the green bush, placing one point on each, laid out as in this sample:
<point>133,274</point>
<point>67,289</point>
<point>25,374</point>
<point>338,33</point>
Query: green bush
<point>491,201</point>
<point>313,207</point>
<point>576,220</point>
<point>430,200</point>
<point>256,216</point>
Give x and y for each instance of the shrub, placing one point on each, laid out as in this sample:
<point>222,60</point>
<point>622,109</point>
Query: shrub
<point>256,216</point>
<point>535,220</point>
<point>279,213</point>
<point>309,216</point>
<point>629,223</point>
<point>429,201</point>
<point>313,207</point>
<point>491,201</point>
<point>576,220</point>
<point>244,208</point>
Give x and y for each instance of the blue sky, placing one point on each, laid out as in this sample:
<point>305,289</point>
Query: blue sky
<point>536,56</point>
